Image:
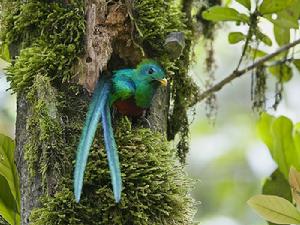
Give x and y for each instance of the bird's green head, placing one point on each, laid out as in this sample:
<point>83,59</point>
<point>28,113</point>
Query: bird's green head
<point>150,71</point>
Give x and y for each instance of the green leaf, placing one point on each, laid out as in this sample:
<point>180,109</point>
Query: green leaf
<point>277,185</point>
<point>283,20</point>
<point>246,3</point>
<point>235,37</point>
<point>283,145</point>
<point>8,207</point>
<point>297,64</point>
<point>218,13</point>
<point>7,166</point>
<point>264,38</point>
<point>4,54</point>
<point>287,18</point>
<point>279,135</point>
<point>281,72</point>
<point>255,53</point>
<point>272,6</point>
<point>275,209</point>
<point>263,129</point>
<point>282,35</point>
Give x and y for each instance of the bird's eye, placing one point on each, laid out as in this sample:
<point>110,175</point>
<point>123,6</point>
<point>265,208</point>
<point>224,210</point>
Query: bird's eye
<point>151,71</point>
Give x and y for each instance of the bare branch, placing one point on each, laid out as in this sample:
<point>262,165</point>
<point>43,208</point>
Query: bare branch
<point>237,73</point>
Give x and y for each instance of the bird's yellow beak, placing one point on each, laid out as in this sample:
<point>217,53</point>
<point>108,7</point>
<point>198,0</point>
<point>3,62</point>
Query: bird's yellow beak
<point>163,82</point>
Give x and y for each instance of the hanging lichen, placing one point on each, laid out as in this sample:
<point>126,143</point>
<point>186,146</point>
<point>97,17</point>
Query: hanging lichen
<point>258,89</point>
<point>154,21</point>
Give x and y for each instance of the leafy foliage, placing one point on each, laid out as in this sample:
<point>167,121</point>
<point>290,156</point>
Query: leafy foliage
<point>218,13</point>
<point>282,139</point>
<point>245,3</point>
<point>277,185</point>
<point>9,182</point>
<point>284,17</point>
<point>235,37</point>
<point>275,209</point>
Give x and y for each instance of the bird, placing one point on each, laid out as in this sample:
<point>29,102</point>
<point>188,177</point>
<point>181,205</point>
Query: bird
<point>130,91</point>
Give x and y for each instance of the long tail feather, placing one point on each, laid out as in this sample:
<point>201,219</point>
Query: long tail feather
<point>112,154</point>
<point>88,133</point>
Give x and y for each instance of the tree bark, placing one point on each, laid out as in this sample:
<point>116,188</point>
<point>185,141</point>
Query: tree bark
<point>30,186</point>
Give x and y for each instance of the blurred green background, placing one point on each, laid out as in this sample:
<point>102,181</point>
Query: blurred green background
<point>227,160</point>
<point>7,105</point>
<point>226,157</point>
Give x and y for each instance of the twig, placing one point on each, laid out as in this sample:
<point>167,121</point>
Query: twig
<point>237,73</point>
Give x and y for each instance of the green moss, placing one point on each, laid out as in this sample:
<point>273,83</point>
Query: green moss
<point>184,95</point>
<point>155,186</point>
<point>52,22</point>
<point>44,149</point>
<point>154,21</point>
<point>51,36</point>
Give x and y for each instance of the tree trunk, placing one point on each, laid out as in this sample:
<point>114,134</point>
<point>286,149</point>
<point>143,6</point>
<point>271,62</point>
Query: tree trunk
<point>52,103</point>
<point>30,186</point>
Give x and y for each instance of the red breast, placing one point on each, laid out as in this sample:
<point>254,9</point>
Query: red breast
<point>128,108</point>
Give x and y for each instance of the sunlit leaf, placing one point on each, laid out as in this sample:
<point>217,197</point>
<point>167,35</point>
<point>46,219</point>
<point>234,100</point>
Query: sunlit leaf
<point>255,53</point>
<point>283,20</point>
<point>263,129</point>
<point>227,2</point>
<point>246,3</point>
<point>281,72</point>
<point>275,209</point>
<point>273,6</point>
<point>218,13</point>
<point>4,52</point>
<point>235,37</point>
<point>283,144</point>
<point>264,38</point>
<point>7,166</point>
<point>279,135</point>
<point>287,18</point>
<point>294,180</point>
<point>8,207</point>
<point>297,64</point>
<point>282,35</point>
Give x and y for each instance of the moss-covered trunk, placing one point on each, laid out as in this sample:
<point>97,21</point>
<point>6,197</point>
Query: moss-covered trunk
<point>64,47</point>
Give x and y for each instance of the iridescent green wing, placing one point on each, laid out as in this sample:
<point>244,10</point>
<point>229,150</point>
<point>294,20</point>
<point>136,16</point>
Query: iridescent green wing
<point>123,86</point>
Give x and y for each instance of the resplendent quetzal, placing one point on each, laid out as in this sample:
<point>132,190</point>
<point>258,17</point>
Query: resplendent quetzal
<point>131,92</point>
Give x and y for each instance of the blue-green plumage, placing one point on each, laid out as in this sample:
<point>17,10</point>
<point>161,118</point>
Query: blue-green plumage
<point>96,108</point>
<point>130,91</point>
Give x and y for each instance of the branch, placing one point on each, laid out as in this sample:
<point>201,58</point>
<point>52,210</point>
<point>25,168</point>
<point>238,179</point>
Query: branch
<point>237,73</point>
